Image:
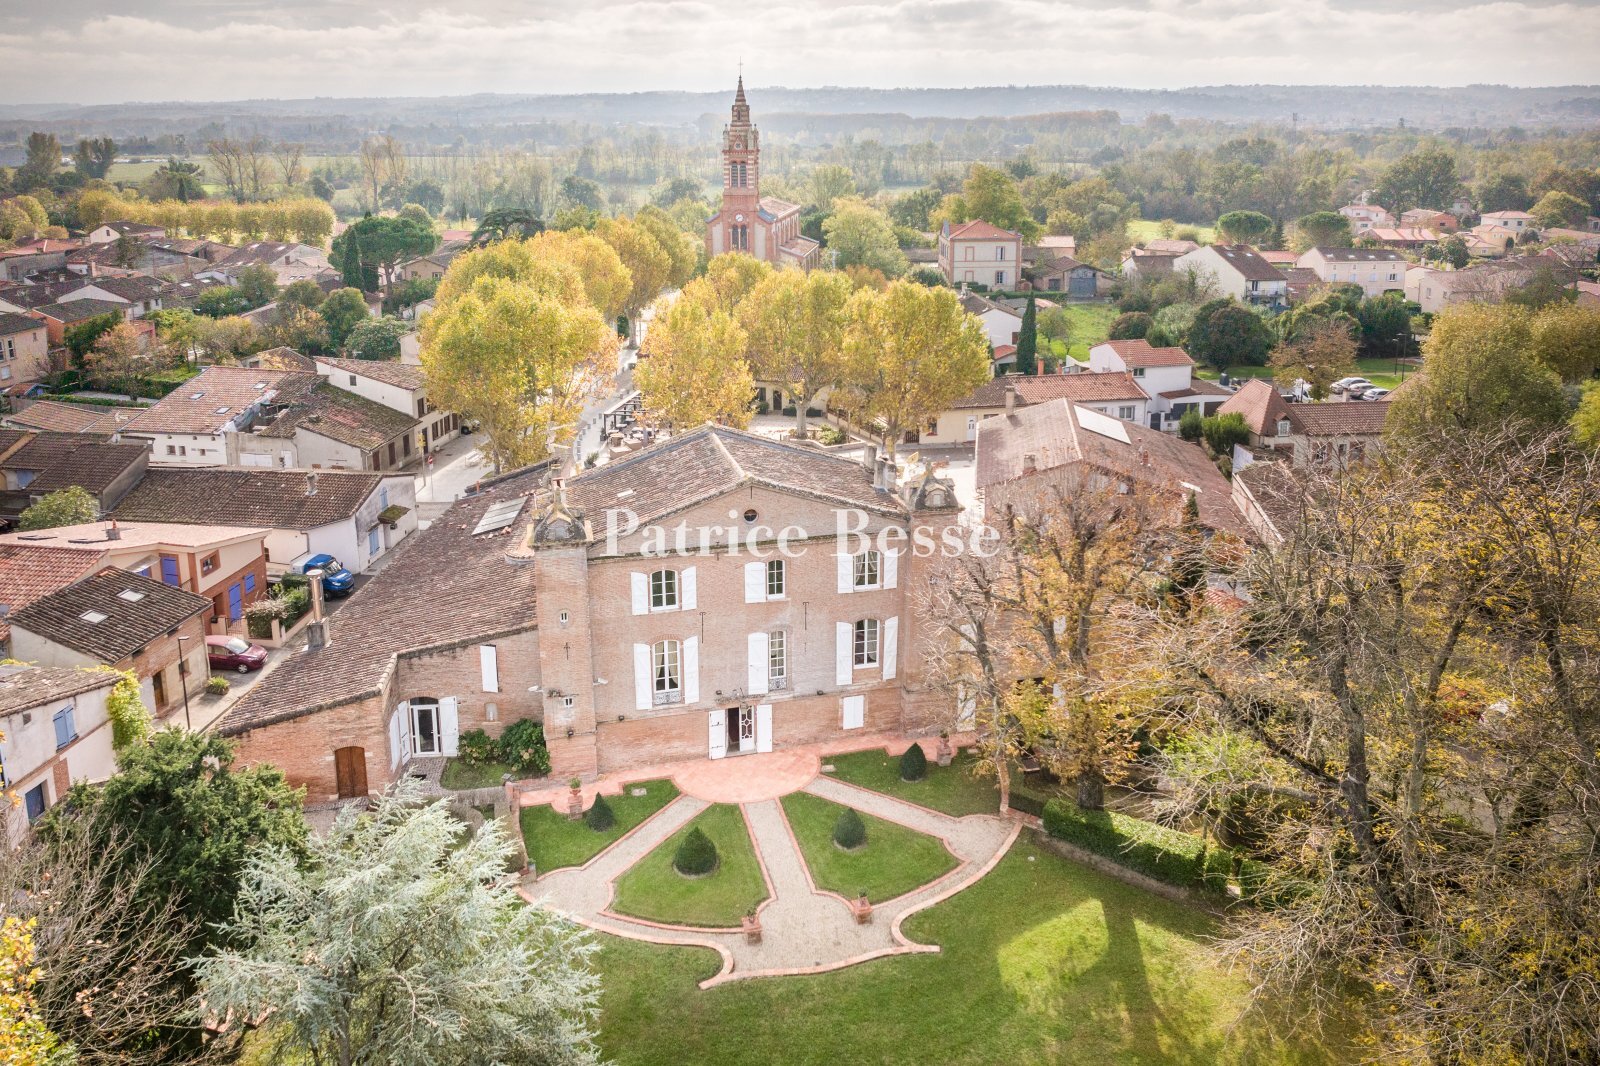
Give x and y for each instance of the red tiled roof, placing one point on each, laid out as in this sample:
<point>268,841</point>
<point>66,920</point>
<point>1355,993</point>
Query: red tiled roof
<point>28,572</point>
<point>1259,401</point>
<point>134,610</point>
<point>979,230</point>
<point>1140,353</point>
<point>1099,387</point>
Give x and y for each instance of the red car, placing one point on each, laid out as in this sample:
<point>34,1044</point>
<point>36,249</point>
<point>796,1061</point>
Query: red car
<point>235,653</point>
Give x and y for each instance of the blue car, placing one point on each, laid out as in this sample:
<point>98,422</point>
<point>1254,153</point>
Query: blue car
<point>337,582</point>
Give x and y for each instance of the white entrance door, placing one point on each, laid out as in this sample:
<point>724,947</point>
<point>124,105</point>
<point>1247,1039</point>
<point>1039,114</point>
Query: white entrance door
<point>718,728</point>
<point>747,729</point>
<point>425,732</point>
<point>972,429</point>
<point>763,727</point>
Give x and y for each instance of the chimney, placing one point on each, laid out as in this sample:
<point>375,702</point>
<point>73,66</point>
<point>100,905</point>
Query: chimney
<point>869,460</point>
<point>1144,455</point>
<point>885,475</point>
<point>317,630</point>
<point>311,482</point>
<point>1030,463</point>
<point>1011,396</point>
<point>113,533</point>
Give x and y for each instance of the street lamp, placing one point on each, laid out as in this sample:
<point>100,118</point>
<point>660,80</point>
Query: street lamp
<point>183,669</point>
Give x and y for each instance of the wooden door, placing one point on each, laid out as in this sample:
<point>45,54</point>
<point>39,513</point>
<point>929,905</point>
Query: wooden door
<point>350,771</point>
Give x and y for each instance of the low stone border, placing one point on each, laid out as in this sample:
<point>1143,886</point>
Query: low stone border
<point>1111,868</point>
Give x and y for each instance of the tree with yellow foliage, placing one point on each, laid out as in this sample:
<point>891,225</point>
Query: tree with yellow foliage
<point>649,265</point>
<point>25,1040</point>
<point>730,277</point>
<point>909,353</point>
<point>796,324</point>
<point>606,282</point>
<point>695,371</point>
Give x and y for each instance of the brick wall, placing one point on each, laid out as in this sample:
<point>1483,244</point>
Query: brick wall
<point>303,747</point>
<point>161,657</point>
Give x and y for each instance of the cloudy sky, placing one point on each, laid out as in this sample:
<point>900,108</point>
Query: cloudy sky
<point>116,50</point>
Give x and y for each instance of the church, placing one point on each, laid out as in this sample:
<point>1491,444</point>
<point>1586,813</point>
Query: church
<point>762,226</point>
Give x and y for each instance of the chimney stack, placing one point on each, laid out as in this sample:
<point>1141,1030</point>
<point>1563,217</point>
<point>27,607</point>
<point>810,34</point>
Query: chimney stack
<point>1011,396</point>
<point>317,630</point>
<point>311,482</point>
<point>886,472</point>
<point>869,460</point>
<point>1030,463</point>
<point>113,533</point>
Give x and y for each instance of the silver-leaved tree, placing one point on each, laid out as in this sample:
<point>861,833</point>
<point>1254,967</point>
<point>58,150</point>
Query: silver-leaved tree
<point>398,942</point>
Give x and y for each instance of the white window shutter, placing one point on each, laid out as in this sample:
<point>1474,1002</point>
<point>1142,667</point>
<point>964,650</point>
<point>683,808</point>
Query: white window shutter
<point>847,572</point>
<point>755,582</point>
<point>853,712</point>
<point>889,652</point>
<point>844,653</point>
<point>689,599</point>
<point>891,569</point>
<point>488,658</point>
<point>394,736</point>
<point>691,670</point>
<point>641,593</point>
<point>718,736</point>
<point>643,698</point>
<point>759,668</point>
<point>405,731</point>
<point>763,727</point>
<point>449,725</point>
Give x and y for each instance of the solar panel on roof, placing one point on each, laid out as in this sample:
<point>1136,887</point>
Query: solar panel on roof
<point>499,516</point>
<point>1104,425</point>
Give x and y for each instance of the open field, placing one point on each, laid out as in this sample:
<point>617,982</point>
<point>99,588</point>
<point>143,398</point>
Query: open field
<point>1148,230</point>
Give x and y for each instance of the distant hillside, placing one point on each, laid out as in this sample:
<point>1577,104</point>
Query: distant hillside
<point>1307,105</point>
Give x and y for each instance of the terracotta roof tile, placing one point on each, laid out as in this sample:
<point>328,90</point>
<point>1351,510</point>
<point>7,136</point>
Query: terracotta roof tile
<point>1139,353</point>
<point>60,460</point>
<point>389,371</point>
<point>72,417</point>
<point>28,572</point>
<point>248,496</point>
<point>339,415</point>
<point>128,624</point>
<point>979,230</point>
<point>1104,387</point>
<point>1259,401</point>
<point>25,687</point>
<point>217,396</point>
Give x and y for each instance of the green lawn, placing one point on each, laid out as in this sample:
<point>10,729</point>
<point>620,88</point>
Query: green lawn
<point>1043,961</point>
<point>1150,229</point>
<point>892,862</point>
<point>653,889</point>
<point>554,840</point>
<point>1090,323</point>
<point>460,774</point>
<point>1381,372</point>
<point>953,789</point>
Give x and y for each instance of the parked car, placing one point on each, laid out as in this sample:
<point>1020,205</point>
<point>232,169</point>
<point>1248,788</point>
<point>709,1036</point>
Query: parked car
<point>235,653</point>
<point>1374,394</point>
<point>337,582</point>
<point>1352,385</point>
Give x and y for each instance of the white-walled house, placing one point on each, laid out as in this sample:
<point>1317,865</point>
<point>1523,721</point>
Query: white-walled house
<point>1165,374</point>
<point>1365,216</point>
<point>55,733</point>
<point>1115,394</point>
<point>108,232</point>
<point>1236,270</point>
<point>357,517</point>
<point>396,385</point>
<point>1376,270</point>
<point>1001,324</point>
<point>980,254</point>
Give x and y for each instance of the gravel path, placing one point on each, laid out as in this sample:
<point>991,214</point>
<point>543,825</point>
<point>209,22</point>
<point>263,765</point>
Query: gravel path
<point>803,930</point>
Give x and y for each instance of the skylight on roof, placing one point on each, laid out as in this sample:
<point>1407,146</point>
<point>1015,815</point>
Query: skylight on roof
<point>93,617</point>
<point>1103,425</point>
<point>223,410</point>
<point>131,595</point>
<point>500,515</point>
<point>197,396</point>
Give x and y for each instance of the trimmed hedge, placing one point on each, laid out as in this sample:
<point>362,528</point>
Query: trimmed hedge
<point>599,816</point>
<point>849,832</point>
<point>1168,855</point>
<point>696,855</point>
<point>913,764</point>
<point>1026,802</point>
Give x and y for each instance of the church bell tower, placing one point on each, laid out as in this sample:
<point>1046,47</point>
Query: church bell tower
<point>741,175</point>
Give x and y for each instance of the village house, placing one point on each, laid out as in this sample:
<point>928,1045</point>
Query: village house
<point>1067,276</point>
<point>976,253</point>
<point>1026,454</point>
<point>59,317</point>
<point>1427,218</point>
<point>33,465</point>
<point>1433,290</point>
<point>398,386</point>
<point>1143,263</point>
<point>141,294</point>
<point>1309,433</point>
<point>355,517</point>
<point>28,572</point>
<point>225,564</point>
<point>1376,270</point>
<point>1515,221</point>
<point>24,351</point>
<point>314,424</point>
<point>604,639</point>
<point>430,267</point>
<point>35,255</point>
<point>1002,323</point>
<point>1365,216</point>
<point>289,262</point>
<point>1166,374</point>
<point>761,226</point>
<point>1236,270</point>
<point>1405,238</point>
<point>1116,394</point>
<point>54,733</point>
<point>198,423</point>
<point>127,622</point>
<point>110,232</point>
<point>1268,496</point>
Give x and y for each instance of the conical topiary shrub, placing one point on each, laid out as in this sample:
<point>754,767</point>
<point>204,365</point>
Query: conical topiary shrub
<point>696,855</point>
<point>600,817</point>
<point>849,832</point>
<point>913,764</point>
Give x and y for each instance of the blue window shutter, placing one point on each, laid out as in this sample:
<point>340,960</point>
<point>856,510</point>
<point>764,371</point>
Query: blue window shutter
<point>66,731</point>
<point>249,582</point>
<point>235,603</point>
<point>169,570</point>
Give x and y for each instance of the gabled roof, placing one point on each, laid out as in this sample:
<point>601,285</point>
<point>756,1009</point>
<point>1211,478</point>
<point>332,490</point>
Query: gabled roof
<point>103,536</point>
<point>389,371</point>
<point>342,416</point>
<point>1139,353</point>
<point>109,615</point>
<point>249,496</point>
<point>1360,418</point>
<point>28,571</point>
<point>215,397</point>
<point>25,687</point>
<point>979,230</point>
<point>1359,255</point>
<point>61,460</point>
<point>79,310</point>
<point>711,460</point>
<point>282,358</point>
<point>1169,246</point>
<point>1035,440</point>
<point>133,287</point>
<point>55,416</point>
<point>11,324</point>
<point>131,229</point>
<point>396,613</point>
<point>1089,387</point>
<point>1247,261</point>
<point>974,304</point>
<point>777,208</point>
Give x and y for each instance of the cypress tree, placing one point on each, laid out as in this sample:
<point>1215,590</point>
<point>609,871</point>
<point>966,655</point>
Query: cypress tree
<point>1028,342</point>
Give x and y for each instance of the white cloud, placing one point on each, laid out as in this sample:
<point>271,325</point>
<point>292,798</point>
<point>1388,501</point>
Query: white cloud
<point>247,48</point>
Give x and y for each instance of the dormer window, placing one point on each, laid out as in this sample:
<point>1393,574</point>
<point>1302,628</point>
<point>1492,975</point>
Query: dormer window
<point>1283,427</point>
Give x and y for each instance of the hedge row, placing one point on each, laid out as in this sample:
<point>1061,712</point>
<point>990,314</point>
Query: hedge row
<point>1168,855</point>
